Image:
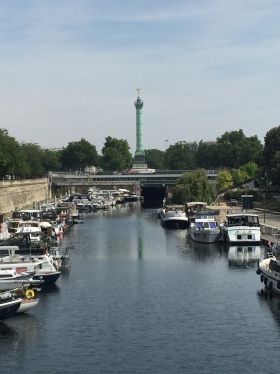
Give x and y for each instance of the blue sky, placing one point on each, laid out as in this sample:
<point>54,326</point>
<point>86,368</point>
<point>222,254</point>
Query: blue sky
<point>69,69</point>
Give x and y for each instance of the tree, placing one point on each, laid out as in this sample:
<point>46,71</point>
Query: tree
<point>155,158</point>
<point>270,157</point>
<point>194,186</point>
<point>33,155</point>
<point>79,155</point>
<point>12,161</point>
<point>51,160</point>
<point>123,148</point>
<point>179,157</point>
<point>113,159</point>
<point>235,149</point>
<point>224,180</point>
<point>251,169</point>
<point>238,176</point>
<point>206,156</point>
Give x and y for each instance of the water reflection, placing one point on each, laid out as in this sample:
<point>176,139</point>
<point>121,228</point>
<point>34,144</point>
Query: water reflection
<point>206,250</point>
<point>244,256</point>
<point>8,334</point>
<point>49,288</point>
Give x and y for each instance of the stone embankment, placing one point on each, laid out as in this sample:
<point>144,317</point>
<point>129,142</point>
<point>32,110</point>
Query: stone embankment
<point>22,193</point>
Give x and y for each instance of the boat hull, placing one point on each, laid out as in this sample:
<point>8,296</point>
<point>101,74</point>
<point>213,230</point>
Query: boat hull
<point>26,305</point>
<point>48,277</point>
<point>175,222</point>
<point>8,309</point>
<point>205,236</point>
<point>270,276</point>
<point>242,235</point>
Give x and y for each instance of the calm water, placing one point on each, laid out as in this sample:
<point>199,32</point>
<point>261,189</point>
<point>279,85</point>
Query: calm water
<point>140,299</point>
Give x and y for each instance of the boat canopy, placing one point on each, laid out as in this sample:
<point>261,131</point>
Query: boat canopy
<point>194,203</point>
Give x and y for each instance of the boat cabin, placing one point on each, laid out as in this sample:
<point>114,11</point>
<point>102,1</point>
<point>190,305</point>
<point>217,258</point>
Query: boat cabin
<point>251,220</point>
<point>174,208</point>
<point>203,220</point>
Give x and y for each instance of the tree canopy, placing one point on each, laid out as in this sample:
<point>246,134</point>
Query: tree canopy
<point>116,154</point>
<point>234,149</point>
<point>194,186</point>
<point>155,158</point>
<point>79,155</point>
<point>179,157</point>
<point>224,180</point>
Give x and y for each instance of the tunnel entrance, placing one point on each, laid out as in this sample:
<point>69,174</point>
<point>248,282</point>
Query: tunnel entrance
<point>153,196</point>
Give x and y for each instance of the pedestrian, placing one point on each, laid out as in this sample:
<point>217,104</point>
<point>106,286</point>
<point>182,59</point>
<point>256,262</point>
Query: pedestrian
<point>269,244</point>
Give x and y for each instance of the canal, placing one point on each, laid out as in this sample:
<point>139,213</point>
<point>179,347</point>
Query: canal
<point>142,299</point>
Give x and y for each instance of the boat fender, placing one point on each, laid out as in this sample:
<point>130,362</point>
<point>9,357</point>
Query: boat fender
<point>262,292</point>
<point>270,285</point>
<point>278,284</point>
<point>265,280</point>
<point>29,294</point>
<point>262,278</point>
<point>258,271</point>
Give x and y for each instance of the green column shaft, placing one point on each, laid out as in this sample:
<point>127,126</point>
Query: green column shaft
<point>139,126</point>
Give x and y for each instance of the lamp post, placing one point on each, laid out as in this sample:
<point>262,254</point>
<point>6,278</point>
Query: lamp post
<point>166,144</point>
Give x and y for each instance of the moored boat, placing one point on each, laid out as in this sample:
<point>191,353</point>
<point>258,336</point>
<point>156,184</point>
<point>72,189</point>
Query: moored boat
<point>174,217</point>
<point>241,228</point>
<point>27,304</point>
<point>269,271</point>
<point>204,228</point>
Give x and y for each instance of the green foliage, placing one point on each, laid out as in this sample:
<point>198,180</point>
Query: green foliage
<point>273,174</point>
<point>193,186</point>
<point>116,154</point>
<point>207,156</point>
<point>113,160</point>
<point>238,176</point>
<point>235,149</point>
<point>224,180</point>
<point>179,157</point>
<point>155,158</point>
<point>51,160</point>
<point>251,169</point>
<point>79,155</point>
<point>9,153</point>
<point>33,154</point>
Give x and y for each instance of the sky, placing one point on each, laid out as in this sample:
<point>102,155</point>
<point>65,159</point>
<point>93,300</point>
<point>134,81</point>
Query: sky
<point>69,70</point>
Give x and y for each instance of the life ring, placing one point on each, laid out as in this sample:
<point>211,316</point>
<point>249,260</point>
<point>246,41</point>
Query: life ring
<point>29,294</point>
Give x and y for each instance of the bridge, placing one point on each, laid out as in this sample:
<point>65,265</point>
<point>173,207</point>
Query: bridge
<point>66,183</point>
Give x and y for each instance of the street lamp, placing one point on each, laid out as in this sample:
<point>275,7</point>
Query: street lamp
<point>166,144</point>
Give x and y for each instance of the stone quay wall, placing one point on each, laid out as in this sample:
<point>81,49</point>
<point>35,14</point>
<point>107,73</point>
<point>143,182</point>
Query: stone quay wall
<point>22,193</point>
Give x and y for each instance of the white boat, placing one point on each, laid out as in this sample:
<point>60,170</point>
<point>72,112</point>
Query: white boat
<point>174,217</point>
<point>204,228</point>
<point>241,228</point>
<point>244,256</point>
<point>49,270</point>
<point>10,279</point>
<point>18,263</point>
<point>26,305</point>
<point>269,271</point>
